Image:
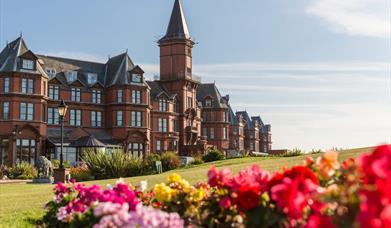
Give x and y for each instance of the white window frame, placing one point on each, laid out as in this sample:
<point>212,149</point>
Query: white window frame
<point>28,64</point>
<point>136,97</point>
<point>92,78</point>
<point>75,94</point>
<point>120,119</point>
<point>136,119</point>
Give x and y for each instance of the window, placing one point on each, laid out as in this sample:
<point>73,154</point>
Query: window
<point>189,102</point>
<point>6,85</point>
<point>136,97</point>
<point>54,92</point>
<point>75,94</point>
<point>119,118</point>
<point>6,110</point>
<point>176,125</point>
<point>176,106</point>
<point>162,125</point>
<point>71,76</point>
<point>225,117</point>
<point>75,117</point>
<point>225,133</point>
<point>136,78</point>
<point>135,119</point>
<point>204,116</point>
<point>251,146</point>
<point>158,145</point>
<point>120,96</point>
<point>53,116</point>
<point>4,144</point>
<point>27,86</point>
<point>96,96</point>
<point>136,149</point>
<point>92,78</point>
<point>212,116</point>
<point>234,131</point>
<point>28,64</point>
<point>163,105</point>
<point>208,102</point>
<point>204,131</point>
<point>51,72</point>
<point>26,111</point>
<point>96,119</point>
<point>212,133</point>
<point>25,151</point>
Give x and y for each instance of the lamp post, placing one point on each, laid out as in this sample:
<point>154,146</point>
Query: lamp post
<point>61,174</point>
<point>15,133</point>
<point>62,110</point>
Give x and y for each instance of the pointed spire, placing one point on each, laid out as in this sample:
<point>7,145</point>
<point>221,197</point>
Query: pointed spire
<point>177,28</point>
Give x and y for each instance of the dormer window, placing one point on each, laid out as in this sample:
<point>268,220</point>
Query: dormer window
<point>208,102</point>
<point>71,76</point>
<point>136,78</point>
<point>92,78</point>
<point>51,72</point>
<point>163,105</point>
<point>28,64</point>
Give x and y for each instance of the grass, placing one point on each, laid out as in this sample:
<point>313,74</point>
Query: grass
<point>21,205</point>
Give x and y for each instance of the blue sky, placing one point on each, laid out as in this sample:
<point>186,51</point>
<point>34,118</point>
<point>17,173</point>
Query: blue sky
<point>317,70</point>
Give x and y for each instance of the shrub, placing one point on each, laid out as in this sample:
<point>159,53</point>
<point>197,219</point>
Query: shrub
<point>213,155</point>
<point>23,171</point>
<point>4,171</point>
<point>148,164</point>
<point>197,161</point>
<point>106,165</point>
<point>80,173</point>
<point>170,161</point>
<point>56,164</point>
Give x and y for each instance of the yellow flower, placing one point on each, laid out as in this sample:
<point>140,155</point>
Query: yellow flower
<point>174,178</point>
<point>199,195</point>
<point>185,185</point>
<point>163,193</point>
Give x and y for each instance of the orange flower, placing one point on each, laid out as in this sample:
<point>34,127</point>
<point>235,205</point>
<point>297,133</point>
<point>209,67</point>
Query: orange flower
<point>328,163</point>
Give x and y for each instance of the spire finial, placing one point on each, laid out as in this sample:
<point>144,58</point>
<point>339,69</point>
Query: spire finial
<point>21,34</point>
<point>177,28</point>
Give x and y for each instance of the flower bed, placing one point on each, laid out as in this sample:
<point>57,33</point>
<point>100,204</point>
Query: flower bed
<point>321,193</point>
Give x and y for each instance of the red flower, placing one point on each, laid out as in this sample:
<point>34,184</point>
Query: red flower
<point>375,195</point>
<point>319,221</point>
<point>248,197</point>
<point>292,189</point>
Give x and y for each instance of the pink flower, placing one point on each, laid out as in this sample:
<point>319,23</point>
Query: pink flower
<point>225,202</point>
<point>219,179</point>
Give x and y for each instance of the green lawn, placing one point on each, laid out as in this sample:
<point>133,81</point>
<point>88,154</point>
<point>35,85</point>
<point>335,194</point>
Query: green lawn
<point>22,204</point>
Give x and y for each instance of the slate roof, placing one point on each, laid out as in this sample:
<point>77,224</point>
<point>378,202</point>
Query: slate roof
<point>158,89</point>
<point>114,72</point>
<point>177,28</point>
<point>210,90</point>
<point>54,135</point>
<point>232,118</point>
<point>10,57</point>
<point>247,119</point>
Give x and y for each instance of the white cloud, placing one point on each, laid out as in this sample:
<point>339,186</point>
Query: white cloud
<point>354,17</point>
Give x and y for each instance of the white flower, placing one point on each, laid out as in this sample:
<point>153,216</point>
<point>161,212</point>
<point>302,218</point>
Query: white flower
<point>143,186</point>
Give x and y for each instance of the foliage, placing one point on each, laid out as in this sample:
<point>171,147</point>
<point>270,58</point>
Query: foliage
<point>4,171</point>
<point>294,152</point>
<point>170,161</point>
<point>148,164</point>
<point>56,164</point>
<point>213,155</point>
<point>118,164</point>
<point>81,173</point>
<point>197,161</point>
<point>22,171</point>
<point>118,206</point>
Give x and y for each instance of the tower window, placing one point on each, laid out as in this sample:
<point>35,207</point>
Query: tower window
<point>208,102</point>
<point>71,76</point>
<point>136,78</point>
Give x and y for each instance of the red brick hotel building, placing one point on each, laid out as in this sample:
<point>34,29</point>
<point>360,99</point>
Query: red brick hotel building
<point>111,105</point>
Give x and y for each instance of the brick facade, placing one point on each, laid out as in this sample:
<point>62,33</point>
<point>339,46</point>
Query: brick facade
<point>114,104</point>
